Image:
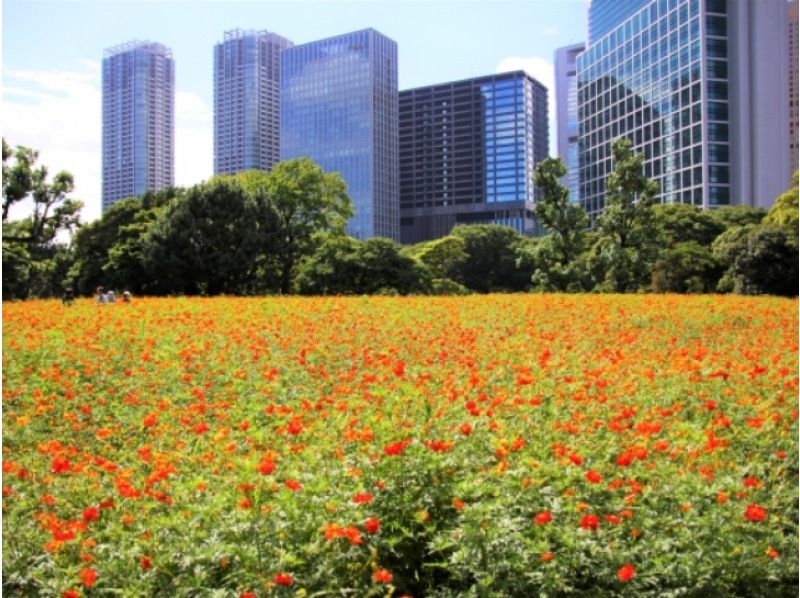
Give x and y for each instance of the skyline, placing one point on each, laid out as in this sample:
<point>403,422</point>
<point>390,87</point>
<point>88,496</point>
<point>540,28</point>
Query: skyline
<point>51,88</point>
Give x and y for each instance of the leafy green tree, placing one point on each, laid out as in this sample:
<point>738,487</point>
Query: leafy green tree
<point>444,257</point>
<point>35,238</point>
<point>785,210</point>
<point>760,259</point>
<point>686,267</point>
<point>684,223</point>
<point>731,216</point>
<point>555,256</point>
<point>491,264</point>
<point>333,268</point>
<point>342,265</point>
<point>208,240</point>
<point>307,201</point>
<point>627,242</point>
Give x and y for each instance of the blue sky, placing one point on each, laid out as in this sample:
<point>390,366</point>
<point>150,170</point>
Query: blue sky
<point>52,52</point>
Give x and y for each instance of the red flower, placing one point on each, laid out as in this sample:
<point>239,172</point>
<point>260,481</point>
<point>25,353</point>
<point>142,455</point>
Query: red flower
<point>382,576</point>
<point>590,522</point>
<point>247,595</point>
<point>612,519</point>
<point>750,482</point>
<point>362,498</point>
<point>543,517</point>
<point>266,467</point>
<point>150,420</point>
<point>593,477</point>
<point>547,556</point>
<point>626,572</point>
<point>396,447</point>
<point>70,594</point>
<point>466,429</point>
<point>88,577</point>
<point>458,505</point>
<point>283,579</point>
<point>576,459</point>
<point>145,562</point>
<point>372,525</point>
<point>91,514</point>
<point>755,512</point>
<point>293,484</point>
<point>59,465</point>
<point>294,427</point>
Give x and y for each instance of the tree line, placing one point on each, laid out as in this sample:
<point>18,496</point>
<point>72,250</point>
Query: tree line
<point>284,232</point>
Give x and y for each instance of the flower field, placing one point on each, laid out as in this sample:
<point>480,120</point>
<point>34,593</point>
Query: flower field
<point>476,446</point>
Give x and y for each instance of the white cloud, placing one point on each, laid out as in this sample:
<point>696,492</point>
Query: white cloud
<point>543,71</point>
<point>59,114</point>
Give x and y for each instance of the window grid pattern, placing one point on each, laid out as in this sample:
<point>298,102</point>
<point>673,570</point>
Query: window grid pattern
<point>339,107</point>
<point>138,120</point>
<point>661,79</point>
<point>467,153</point>
<point>247,116</point>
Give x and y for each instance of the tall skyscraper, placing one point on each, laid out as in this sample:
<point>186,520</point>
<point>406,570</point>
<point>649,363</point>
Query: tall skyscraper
<point>467,154</point>
<point>699,86</point>
<point>605,15</point>
<point>339,108</point>
<point>138,120</point>
<point>567,115</point>
<point>247,79</point>
<point>794,81</point>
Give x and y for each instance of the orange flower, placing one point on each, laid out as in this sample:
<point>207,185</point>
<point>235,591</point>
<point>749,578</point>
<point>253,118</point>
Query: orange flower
<point>382,576</point>
<point>626,572</point>
<point>754,512</point>
<point>547,556</point>
<point>88,577</point>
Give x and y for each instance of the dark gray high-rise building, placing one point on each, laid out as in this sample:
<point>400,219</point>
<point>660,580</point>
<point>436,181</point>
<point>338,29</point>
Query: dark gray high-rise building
<point>467,154</point>
<point>138,120</point>
<point>700,87</point>
<point>339,108</point>
<point>247,68</point>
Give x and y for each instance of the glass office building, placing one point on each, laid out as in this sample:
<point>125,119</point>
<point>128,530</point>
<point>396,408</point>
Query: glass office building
<point>467,154</point>
<point>687,81</point>
<point>605,15</point>
<point>339,108</point>
<point>567,115</point>
<point>247,67</point>
<point>138,120</point>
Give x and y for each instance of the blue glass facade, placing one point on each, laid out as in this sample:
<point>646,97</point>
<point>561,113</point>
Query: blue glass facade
<point>138,120</point>
<point>247,68</point>
<point>605,15</point>
<point>339,108</point>
<point>660,78</point>
<point>467,154</point>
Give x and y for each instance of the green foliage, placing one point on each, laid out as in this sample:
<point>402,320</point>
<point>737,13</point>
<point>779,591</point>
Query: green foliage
<point>491,264</point>
<point>307,201</point>
<point>784,212</point>
<point>759,259</point>
<point>444,257</point>
<point>731,216</point>
<point>108,251</point>
<point>34,238</point>
<point>208,241</point>
<point>342,266</point>
<point>555,257</point>
<point>683,223</point>
<point>627,242</point>
<point>686,267</point>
